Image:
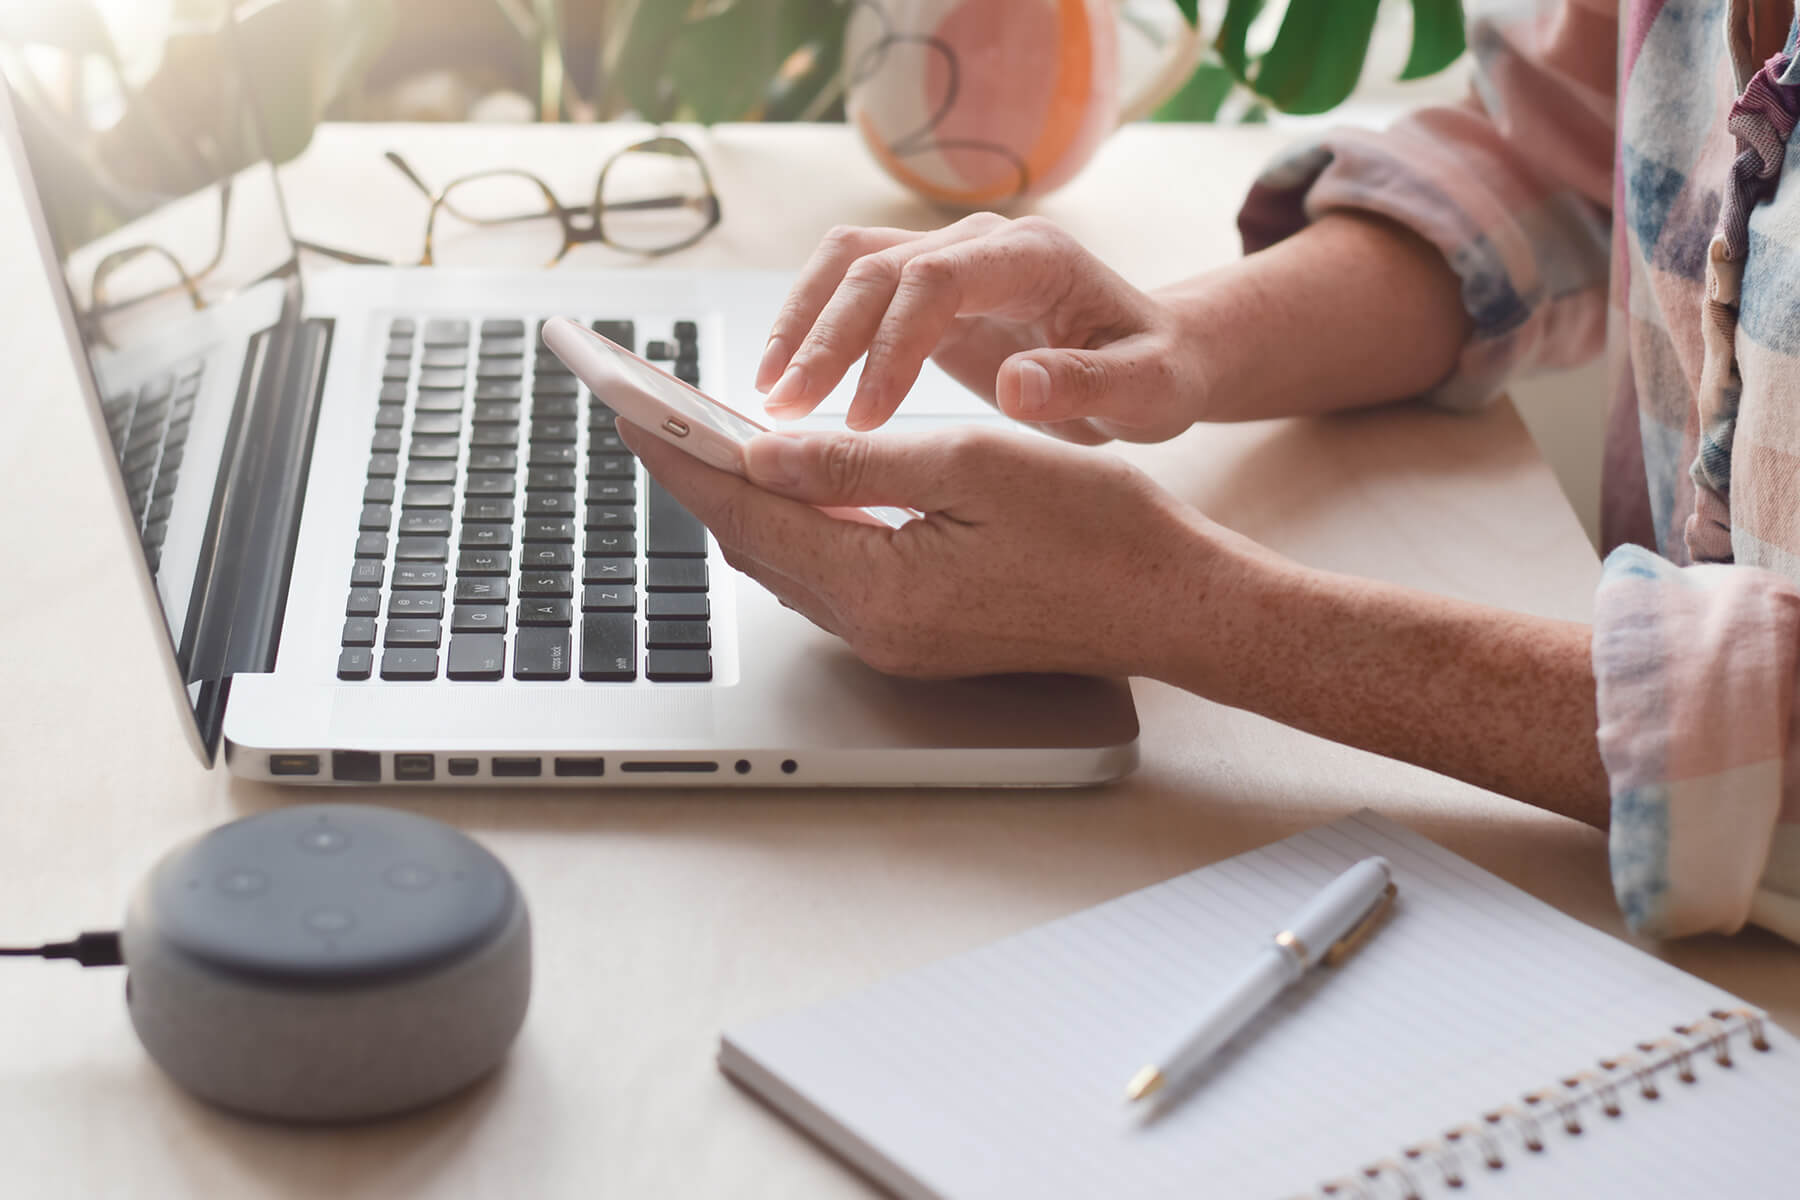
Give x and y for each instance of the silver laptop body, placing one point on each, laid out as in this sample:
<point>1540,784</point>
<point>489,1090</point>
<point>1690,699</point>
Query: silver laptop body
<point>267,550</point>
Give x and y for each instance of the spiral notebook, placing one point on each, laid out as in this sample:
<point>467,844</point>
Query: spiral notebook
<point>1480,1044</point>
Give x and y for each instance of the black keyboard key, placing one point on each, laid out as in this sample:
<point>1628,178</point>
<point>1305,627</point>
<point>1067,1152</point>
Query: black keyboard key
<point>400,345</point>
<point>385,441</point>
<point>498,389</point>
<point>368,572</point>
<point>678,666</point>
<point>676,575</point>
<point>608,570</point>
<point>614,491</point>
<point>439,402</point>
<point>549,504</point>
<point>402,664</point>
<point>384,466</point>
<point>483,562</point>
<point>677,606</point>
<point>154,533</point>
<point>165,485</point>
<point>552,584</point>
<point>611,516</point>
<point>604,597</point>
<point>496,412</point>
<point>416,576</point>
<point>547,432</point>
<point>686,331</point>
<point>550,529</point>
<point>430,471</point>
<point>501,327</point>
<point>371,545</point>
<point>477,656</point>
<point>442,380</point>
<point>608,647</point>
<point>444,356</point>
<point>674,532</point>
<point>541,654</point>
<point>445,333</point>
<point>396,370</point>
<point>548,364</point>
<point>478,618</point>
<point>487,458</point>
<point>359,631</point>
<point>363,602</point>
<point>505,437</point>
<point>416,604</point>
<point>423,549</point>
<point>401,327</point>
<point>481,591</point>
<point>490,483</point>
<point>378,491</point>
<point>375,517</point>
<point>437,449</point>
<point>488,537</point>
<point>549,479</point>
<point>656,351</point>
<point>487,510</point>
<point>436,424</point>
<point>413,631</point>
<point>554,456</point>
<point>512,369</point>
<point>418,522</point>
<point>543,611</point>
<point>688,371</point>
<point>612,466</point>
<point>436,495</point>
<point>677,635</point>
<point>622,332</point>
<point>555,395</point>
<point>611,543</point>
<point>355,662</point>
<point>393,393</point>
<point>605,443</point>
<point>545,556</point>
<point>390,416</point>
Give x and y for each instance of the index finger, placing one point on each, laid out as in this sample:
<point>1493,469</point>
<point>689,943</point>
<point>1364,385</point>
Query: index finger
<point>818,281</point>
<point>795,538</point>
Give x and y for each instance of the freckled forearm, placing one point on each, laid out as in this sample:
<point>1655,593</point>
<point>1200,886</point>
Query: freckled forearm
<point>1496,698</point>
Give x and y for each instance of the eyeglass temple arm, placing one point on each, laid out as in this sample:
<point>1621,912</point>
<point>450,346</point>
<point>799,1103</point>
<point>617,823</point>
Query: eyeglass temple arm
<point>412,176</point>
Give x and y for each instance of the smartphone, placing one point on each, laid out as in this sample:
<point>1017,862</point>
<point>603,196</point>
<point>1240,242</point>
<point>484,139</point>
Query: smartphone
<point>678,413</point>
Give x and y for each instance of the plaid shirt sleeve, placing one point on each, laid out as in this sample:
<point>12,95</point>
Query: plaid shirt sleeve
<point>1514,186</point>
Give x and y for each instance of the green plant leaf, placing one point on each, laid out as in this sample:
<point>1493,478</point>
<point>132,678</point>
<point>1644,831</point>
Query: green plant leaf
<point>721,64</point>
<point>1234,28</point>
<point>1437,39</point>
<point>1191,10</point>
<point>638,69</point>
<point>1317,55</point>
<point>1200,97</point>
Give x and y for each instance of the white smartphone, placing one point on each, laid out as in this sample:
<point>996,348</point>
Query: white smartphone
<point>678,413</point>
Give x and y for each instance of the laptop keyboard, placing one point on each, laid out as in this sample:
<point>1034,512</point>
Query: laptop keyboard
<point>506,532</point>
<point>149,431</point>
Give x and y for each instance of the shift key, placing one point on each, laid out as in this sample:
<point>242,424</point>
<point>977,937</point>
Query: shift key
<point>609,647</point>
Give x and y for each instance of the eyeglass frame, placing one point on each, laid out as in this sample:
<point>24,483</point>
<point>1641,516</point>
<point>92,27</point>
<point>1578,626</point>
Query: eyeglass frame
<point>569,219</point>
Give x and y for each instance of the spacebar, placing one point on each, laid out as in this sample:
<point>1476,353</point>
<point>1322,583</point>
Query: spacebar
<point>673,531</point>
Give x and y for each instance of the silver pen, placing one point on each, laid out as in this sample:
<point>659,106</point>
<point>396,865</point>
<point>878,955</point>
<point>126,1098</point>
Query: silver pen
<point>1337,920</point>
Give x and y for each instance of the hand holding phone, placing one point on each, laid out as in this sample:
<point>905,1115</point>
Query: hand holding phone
<point>667,408</point>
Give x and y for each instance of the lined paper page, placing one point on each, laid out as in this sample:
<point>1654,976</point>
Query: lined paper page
<point>1001,1072</point>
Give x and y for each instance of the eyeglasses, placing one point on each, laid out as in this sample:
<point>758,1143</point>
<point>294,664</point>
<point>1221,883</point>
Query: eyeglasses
<point>138,274</point>
<point>651,198</point>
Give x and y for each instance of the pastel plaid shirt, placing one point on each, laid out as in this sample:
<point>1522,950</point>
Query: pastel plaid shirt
<point>1618,179</point>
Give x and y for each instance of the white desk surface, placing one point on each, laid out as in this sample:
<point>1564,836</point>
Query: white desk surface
<point>663,918</point>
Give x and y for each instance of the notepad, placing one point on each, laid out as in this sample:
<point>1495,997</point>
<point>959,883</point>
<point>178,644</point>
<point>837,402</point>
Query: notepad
<point>1481,1044</point>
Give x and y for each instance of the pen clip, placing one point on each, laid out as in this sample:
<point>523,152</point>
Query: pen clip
<point>1359,933</point>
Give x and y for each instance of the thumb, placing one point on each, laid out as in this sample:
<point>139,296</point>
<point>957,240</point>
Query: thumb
<point>1046,386</point>
<point>914,471</point>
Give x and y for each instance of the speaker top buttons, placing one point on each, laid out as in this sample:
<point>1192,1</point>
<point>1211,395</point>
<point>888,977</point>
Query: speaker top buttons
<point>324,839</point>
<point>330,921</point>
<point>242,881</point>
<point>410,876</point>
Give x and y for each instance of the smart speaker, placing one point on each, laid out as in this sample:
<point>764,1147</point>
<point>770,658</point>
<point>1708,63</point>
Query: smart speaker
<point>328,962</point>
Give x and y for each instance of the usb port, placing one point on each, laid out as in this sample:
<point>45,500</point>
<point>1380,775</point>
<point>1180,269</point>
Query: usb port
<point>581,766</point>
<point>517,768</point>
<point>415,767</point>
<point>293,764</point>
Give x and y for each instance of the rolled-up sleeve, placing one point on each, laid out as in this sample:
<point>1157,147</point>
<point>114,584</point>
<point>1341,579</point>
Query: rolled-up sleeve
<point>1697,673</point>
<point>1513,186</point>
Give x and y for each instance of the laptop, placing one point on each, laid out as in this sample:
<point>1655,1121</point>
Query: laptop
<point>393,541</point>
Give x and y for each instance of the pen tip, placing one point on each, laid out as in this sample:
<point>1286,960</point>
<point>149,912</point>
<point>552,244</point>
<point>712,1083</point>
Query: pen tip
<point>1145,1083</point>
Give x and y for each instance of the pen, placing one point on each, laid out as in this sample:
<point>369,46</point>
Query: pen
<point>1338,919</point>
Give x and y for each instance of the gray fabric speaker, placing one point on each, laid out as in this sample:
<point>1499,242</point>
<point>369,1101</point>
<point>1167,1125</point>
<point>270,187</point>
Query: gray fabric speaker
<point>328,962</point>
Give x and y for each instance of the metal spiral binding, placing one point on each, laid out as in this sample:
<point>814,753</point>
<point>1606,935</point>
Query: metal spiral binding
<point>1446,1162</point>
